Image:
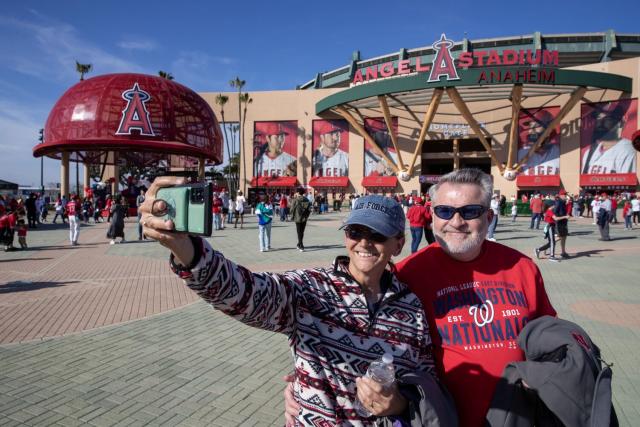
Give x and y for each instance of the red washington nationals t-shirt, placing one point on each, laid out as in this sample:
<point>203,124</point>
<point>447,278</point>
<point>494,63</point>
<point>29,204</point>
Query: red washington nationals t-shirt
<point>475,311</point>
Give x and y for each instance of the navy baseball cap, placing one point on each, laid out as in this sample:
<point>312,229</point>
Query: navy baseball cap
<point>379,213</point>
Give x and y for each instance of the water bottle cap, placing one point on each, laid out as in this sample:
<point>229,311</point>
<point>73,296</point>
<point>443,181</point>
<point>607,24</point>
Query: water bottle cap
<point>387,358</point>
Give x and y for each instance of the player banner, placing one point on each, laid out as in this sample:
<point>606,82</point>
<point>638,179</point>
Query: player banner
<point>374,164</point>
<point>605,137</point>
<point>531,124</point>
<point>330,148</point>
<point>275,148</point>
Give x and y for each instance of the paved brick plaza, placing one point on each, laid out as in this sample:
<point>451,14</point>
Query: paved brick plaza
<point>105,335</point>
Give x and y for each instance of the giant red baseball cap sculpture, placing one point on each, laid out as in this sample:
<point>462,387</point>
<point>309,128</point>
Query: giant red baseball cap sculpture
<point>141,117</point>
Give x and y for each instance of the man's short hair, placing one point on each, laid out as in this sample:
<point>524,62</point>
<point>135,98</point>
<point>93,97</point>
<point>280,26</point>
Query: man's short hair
<point>300,191</point>
<point>467,176</point>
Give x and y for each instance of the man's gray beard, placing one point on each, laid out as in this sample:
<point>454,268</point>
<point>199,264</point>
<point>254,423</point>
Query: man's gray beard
<point>469,246</point>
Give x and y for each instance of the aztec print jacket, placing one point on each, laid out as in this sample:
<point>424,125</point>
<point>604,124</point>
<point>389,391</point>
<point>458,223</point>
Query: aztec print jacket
<point>332,334</point>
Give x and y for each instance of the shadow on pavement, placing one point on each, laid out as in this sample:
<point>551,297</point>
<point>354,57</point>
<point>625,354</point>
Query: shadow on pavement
<point>521,237</point>
<point>21,286</point>
<point>321,247</point>
<point>23,259</point>
<point>580,233</point>
<point>589,253</point>
<point>622,238</point>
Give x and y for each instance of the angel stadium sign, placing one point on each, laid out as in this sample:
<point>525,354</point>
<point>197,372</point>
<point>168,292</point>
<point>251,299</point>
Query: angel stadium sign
<point>534,66</point>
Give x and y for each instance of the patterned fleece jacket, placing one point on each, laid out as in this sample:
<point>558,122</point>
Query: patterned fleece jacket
<point>332,333</point>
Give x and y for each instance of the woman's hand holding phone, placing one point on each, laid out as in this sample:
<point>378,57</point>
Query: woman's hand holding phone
<point>156,228</point>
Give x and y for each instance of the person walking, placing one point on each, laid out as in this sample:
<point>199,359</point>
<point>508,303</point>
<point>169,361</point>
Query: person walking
<point>550,235</point>
<point>562,221</point>
<point>224,196</point>
<point>139,202</point>
<point>32,211</point>
<point>73,215</point>
<point>231,208</point>
<point>417,221</point>
<point>495,207</point>
<point>284,207</point>
<point>116,228</point>
<point>22,234</point>
<point>626,214</point>
<point>514,211</point>
<point>635,209</point>
<point>300,211</point>
<point>264,211</point>
<point>604,217</point>
<point>216,210</point>
<point>240,206</point>
<point>59,208</point>
<point>613,215</point>
<point>536,211</point>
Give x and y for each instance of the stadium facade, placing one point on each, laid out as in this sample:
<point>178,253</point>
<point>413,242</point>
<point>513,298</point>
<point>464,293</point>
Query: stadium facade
<point>538,112</point>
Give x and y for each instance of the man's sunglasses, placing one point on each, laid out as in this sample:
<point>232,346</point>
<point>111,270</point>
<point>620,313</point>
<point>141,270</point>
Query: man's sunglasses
<point>359,233</point>
<point>466,212</point>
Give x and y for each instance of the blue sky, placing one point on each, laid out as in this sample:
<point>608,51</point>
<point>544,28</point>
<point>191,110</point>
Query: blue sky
<point>204,44</point>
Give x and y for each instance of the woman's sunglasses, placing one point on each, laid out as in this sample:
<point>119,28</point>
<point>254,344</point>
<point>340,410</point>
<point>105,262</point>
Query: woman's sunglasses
<point>359,233</point>
<point>466,212</point>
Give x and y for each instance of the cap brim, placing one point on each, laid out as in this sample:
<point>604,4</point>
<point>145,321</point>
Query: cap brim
<point>361,217</point>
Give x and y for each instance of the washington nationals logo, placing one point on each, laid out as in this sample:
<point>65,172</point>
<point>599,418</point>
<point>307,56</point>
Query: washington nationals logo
<point>135,114</point>
<point>482,313</point>
<point>443,62</point>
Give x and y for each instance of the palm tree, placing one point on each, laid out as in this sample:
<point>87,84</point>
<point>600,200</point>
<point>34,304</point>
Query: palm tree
<point>221,100</point>
<point>83,69</point>
<point>165,75</point>
<point>245,99</point>
<point>239,84</point>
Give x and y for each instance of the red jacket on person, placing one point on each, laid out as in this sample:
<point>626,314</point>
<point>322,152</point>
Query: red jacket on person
<point>417,216</point>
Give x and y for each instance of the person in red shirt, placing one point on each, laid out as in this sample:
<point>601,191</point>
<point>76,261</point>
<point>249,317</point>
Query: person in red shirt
<point>536,211</point>
<point>478,294</point>
<point>417,220</point>
<point>549,234</point>
<point>216,209</point>
<point>74,207</point>
<point>284,206</point>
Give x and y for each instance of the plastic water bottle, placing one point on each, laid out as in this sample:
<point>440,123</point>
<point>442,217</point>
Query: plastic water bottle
<point>381,371</point>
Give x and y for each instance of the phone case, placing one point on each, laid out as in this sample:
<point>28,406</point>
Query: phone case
<point>189,207</point>
<point>177,199</point>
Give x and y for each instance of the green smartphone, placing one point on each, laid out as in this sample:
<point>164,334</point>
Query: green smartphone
<point>189,207</point>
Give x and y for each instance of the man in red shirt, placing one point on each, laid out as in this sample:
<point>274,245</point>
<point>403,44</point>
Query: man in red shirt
<point>478,294</point>
<point>536,211</point>
<point>417,220</point>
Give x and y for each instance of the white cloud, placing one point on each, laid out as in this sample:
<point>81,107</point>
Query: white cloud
<point>48,50</point>
<point>201,71</point>
<point>138,44</point>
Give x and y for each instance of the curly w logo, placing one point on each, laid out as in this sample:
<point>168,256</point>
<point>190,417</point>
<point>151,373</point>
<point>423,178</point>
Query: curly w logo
<point>482,313</point>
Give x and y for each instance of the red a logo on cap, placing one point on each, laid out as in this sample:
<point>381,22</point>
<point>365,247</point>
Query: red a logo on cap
<point>135,114</point>
<point>443,62</point>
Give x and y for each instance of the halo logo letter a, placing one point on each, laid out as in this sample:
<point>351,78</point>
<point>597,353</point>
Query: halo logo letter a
<point>443,62</point>
<point>135,114</point>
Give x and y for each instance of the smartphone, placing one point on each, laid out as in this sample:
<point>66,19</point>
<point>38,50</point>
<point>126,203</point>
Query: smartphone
<point>189,207</point>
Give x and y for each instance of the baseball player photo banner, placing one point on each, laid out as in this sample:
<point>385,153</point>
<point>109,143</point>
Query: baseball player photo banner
<point>605,137</point>
<point>275,148</point>
<point>532,123</point>
<point>330,148</point>
<point>374,164</point>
